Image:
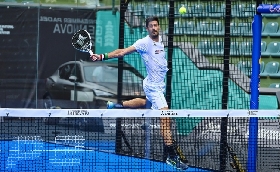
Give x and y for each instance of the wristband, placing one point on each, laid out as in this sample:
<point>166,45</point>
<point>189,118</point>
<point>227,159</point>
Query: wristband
<point>106,57</point>
<point>101,57</point>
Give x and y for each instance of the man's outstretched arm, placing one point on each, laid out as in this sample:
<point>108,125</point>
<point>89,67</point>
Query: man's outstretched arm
<point>114,54</point>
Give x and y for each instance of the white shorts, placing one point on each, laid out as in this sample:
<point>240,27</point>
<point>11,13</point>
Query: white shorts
<point>155,94</point>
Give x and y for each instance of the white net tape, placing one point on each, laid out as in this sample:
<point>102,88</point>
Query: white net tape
<point>135,113</point>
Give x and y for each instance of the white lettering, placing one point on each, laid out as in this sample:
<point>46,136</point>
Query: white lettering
<point>151,126</point>
<point>268,134</point>
<point>98,38</point>
<point>78,21</point>
<point>7,26</point>
<point>20,151</point>
<point>3,32</point>
<point>56,29</point>
<point>50,19</point>
<point>72,28</point>
<point>109,35</point>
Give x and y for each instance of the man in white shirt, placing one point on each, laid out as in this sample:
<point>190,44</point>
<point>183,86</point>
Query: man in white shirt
<point>152,52</point>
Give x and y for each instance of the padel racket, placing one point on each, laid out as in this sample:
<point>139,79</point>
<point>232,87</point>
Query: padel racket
<point>81,41</point>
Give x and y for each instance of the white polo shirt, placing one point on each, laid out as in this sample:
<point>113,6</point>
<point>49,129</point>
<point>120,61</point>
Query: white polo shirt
<point>153,55</point>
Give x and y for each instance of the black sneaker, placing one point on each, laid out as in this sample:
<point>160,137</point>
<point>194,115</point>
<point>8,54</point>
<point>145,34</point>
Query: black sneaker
<point>177,163</point>
<point>174,156</point>
<point>111,105</point>
<point>182,157</point>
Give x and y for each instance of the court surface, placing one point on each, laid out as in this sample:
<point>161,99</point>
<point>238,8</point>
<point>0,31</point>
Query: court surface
<point>49,157</point>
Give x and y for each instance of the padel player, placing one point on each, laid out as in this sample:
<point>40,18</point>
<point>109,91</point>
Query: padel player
<point>151,49</point>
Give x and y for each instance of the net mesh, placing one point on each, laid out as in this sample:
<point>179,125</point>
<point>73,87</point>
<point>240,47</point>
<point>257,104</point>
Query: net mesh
<point>67,139</point>
<point>199,59</point>
<point>198,52</point>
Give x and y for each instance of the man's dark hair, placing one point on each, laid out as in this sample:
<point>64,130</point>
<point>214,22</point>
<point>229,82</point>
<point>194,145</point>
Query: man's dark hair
<point>151,18</point>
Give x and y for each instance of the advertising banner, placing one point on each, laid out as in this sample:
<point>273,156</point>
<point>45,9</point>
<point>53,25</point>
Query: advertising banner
<point>18,55</point>
<point>34,43</point>
<point>57,26</point>
<point>107,31</point>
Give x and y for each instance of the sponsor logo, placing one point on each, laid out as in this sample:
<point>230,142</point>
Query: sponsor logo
<point>81,40</point>
<point>3,29</point>
<point>13,96</point>
<point>168,113</point>
<point>252,113</point>
<point>158,51</point>
<point>212,131</point>
<point>69,25</point>
<point>274,9</point>
<point>78,112</point>
<point>32,147</point>
<point>266,134</point>
<point>136,126</point>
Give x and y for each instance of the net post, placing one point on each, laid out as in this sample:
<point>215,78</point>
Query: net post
<point>123,7</point>
<point>254,87</point>
<point>225,93</point>
<point>170,47</point>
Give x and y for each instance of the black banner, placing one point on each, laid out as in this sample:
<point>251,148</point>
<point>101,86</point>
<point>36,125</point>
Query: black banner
<point>18,54</point>
<point>57,27</point>
<point>34,43</point>
<point>56,30</point>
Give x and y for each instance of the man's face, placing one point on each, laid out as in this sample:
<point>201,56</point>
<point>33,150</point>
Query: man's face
<point>153,29</point>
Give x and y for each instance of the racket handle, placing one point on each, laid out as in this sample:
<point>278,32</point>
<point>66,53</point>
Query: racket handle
<point>90,52</point>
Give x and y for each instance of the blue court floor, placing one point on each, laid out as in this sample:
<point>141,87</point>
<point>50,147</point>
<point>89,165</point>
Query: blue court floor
<point>36,156</point>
